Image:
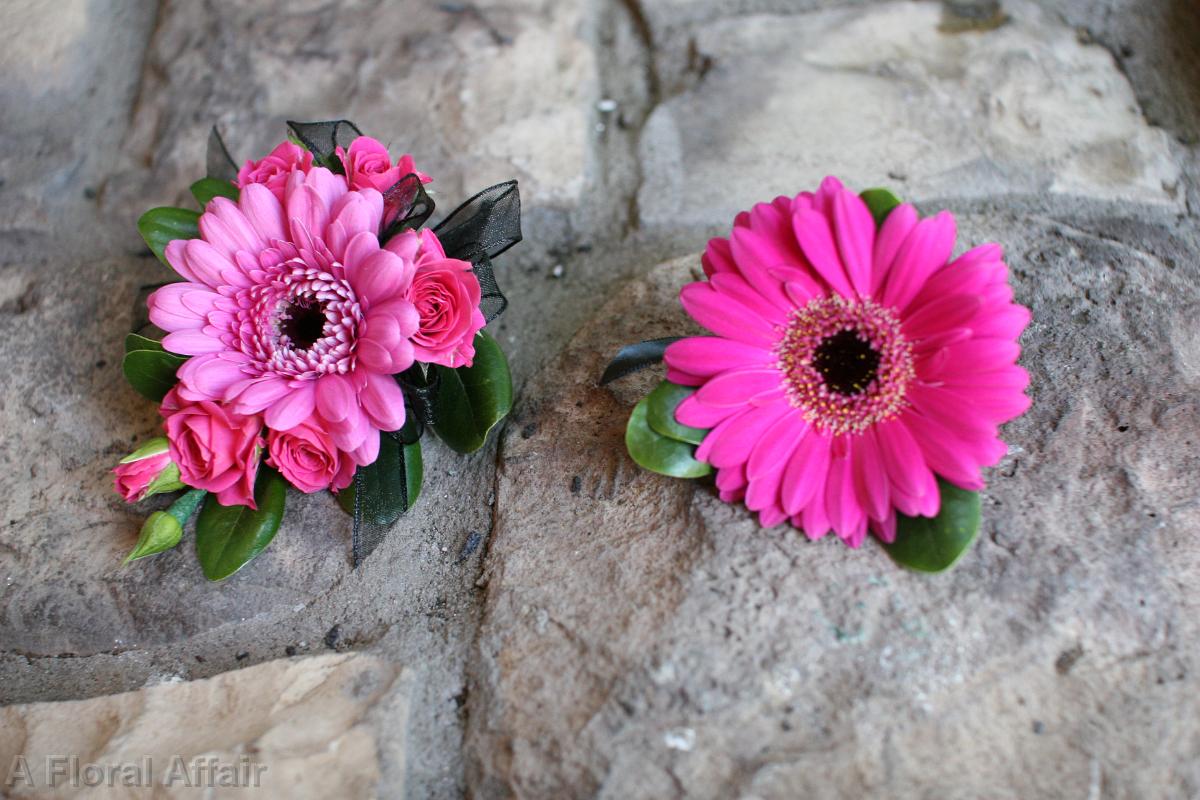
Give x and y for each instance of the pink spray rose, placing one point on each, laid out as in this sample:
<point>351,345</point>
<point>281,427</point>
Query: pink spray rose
<point>446,294</point>
<point>368,165</point>
<point>216,449</point>
<point>148,470</point>
<point>308,458</point>
<point>273,170</point>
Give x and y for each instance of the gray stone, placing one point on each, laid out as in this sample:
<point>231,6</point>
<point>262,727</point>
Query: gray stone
<point>642,639</point>
<point>894,95</point>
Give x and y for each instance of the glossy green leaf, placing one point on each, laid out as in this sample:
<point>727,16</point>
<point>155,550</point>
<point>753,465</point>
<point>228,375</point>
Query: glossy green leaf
<point>159,226</point>
<point>660,413</point>
<point>228,537</point>
<point>933,545</point>
<point>659,453</point>
<point>472,400</point>
<point>151,372</point>
<point>391,484</point>
<point>163,529</point>
<point>206,189</point>
<point>135,341</point>
<point>881,202</point>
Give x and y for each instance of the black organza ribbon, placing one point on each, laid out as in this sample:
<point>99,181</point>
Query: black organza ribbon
<point>478,231</point>
<point>218,163</point>
<point>634,357</point>
<point>322,139</point>
<point>405,206</point>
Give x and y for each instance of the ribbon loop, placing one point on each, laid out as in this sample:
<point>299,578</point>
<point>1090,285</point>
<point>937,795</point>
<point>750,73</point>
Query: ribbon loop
<point>218,163</point>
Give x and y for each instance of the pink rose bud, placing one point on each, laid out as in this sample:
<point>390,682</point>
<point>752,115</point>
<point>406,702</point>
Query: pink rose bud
<point>216,449</point>
<point>368,165</point>
<point>273,170</point>
<point>308,458</point>
<point>147,471</point>
<point>446,294</point>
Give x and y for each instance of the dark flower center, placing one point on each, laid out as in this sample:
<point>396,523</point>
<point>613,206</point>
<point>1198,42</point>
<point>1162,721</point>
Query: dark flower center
<point>846,362</point>
<point>303,323</point>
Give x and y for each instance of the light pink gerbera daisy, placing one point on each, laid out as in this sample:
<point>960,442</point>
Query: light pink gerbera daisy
<point>849,365</point>
<point>293,310</point>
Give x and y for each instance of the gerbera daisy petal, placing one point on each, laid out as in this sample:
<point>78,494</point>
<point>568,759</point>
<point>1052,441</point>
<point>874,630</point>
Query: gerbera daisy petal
<point>769,516</point>
<point>735,438</point>
<point>709,355</point>
<point>725,316</point>
<point>732,479</point>
<point>383,401</point>
<point>902,458</point>
<point>870,476</point>
<point>934,403</point>
<point>1006,322</point>
<point>718,257</point>
<point>816,240</point>
<point>944,451</point>
<point>893,232</point>
<point>755,260</point>
<point>776,446</point>
<point>814,518</point>
<point>804,477</point>
<point>263,211</point>
<point>926,249</point>
<point>738,387</point>
<point>211,375</point>
<point>855,234</point>
<point>935,316</point>
<point>841,500</point>
<point>335,397</point>
<point>293,408</point>
<point>695,414</point>
<point>735,286</point>
<point>192,343</point>
<point>885,528</point>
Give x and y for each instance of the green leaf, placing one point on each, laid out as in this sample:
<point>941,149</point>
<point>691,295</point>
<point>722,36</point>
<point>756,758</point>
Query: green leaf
<point>163,529</point>
<point>228,537</point>
<point>881,202</point>
<point>151,372</point>
<point>155,447</point>
<point>159,226</point>
<point>399,469</point>
<point>933,545</point>
<point>472,400</point>
<point>206,189</point>
<point>660,413</point>
<point>167,481</point>
<point>135,341</point>
<point>658,453</point>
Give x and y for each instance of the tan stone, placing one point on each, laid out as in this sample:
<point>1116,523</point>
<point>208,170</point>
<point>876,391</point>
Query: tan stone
<point>298,728</point>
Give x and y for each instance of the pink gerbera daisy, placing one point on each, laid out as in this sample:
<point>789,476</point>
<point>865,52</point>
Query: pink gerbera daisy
<point>850,365</point>
<point>292,309</point>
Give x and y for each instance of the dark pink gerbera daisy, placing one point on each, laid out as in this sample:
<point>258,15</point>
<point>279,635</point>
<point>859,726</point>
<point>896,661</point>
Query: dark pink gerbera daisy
<point>850,365</point>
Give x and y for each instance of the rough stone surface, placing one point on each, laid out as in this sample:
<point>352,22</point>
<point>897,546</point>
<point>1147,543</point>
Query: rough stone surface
<point>308,723</point>
<point>642,639</point>
<point>637,129</point>
<point>893,94</point>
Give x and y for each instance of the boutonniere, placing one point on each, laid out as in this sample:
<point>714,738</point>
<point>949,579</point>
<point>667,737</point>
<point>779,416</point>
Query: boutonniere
<point>313,330</point>
<point>855,379</point>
